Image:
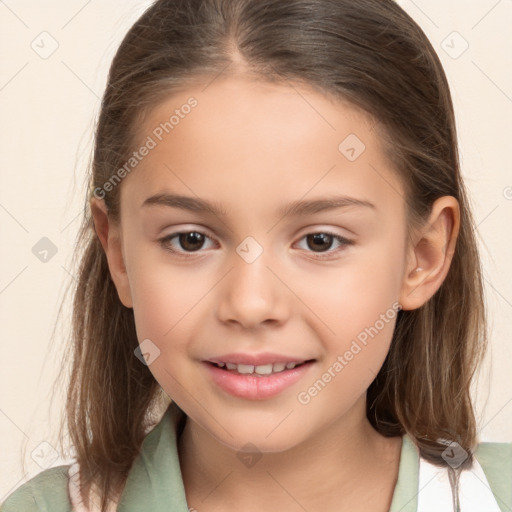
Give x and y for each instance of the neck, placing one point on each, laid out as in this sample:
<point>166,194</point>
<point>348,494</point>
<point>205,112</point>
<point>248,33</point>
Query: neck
<point>348,465</point>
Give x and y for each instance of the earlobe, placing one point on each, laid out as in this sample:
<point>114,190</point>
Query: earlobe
<point>431,254</point>
<point>110,238</point>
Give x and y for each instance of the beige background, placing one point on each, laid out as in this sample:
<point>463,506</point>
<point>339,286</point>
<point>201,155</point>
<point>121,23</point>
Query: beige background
<point>48,108</point>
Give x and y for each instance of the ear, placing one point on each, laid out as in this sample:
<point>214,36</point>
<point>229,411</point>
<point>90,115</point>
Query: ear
<point>431,253</point>
<point>109,234</point>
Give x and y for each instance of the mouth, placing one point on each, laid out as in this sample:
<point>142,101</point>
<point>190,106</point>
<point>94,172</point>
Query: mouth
<point>261,382</point>
<point>259,370</point>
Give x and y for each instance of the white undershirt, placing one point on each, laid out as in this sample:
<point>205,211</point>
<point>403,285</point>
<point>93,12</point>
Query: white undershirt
<point>435,495</point>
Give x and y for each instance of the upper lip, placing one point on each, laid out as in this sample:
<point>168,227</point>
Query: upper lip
<point>257,359</point>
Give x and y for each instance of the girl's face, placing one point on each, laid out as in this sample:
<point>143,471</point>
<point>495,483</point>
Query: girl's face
<point>274,269</point>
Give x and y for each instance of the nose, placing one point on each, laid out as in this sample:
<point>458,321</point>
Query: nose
<point>253,293</point>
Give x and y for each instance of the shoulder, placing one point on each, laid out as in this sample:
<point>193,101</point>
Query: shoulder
<point>47,491</point>
<point>496,462</point>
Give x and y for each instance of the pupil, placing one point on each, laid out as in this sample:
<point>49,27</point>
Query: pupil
<point>187,240</point>
<point>321,239</point>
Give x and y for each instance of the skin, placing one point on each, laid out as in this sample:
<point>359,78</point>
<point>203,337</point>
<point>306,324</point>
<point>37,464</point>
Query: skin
<point>252,148</point>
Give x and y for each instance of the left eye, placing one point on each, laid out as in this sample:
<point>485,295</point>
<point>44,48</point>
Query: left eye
<point>321,242</point>
<point>193,241</point>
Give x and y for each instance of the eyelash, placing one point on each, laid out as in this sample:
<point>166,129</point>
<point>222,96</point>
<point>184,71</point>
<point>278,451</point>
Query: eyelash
<point>319,255</point>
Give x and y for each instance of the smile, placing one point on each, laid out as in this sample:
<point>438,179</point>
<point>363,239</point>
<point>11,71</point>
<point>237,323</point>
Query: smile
<point>265,369</point>
<point>260,382</point>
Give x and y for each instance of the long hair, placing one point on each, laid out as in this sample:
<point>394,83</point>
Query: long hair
<point>369,53</point>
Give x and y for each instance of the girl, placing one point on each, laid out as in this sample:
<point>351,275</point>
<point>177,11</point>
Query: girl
<point>278,253</point>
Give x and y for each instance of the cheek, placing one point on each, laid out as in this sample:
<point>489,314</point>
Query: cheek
<point>356,307</point>
<point>164,298</point>
<point>355,295</point>
<point>360,322</point>
<point>163,305</point>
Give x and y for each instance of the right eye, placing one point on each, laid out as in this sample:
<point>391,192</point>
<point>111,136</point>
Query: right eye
<point>190,241</point>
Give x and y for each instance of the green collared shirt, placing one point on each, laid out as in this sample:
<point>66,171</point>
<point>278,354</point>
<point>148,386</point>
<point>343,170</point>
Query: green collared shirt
<point>155,483</point>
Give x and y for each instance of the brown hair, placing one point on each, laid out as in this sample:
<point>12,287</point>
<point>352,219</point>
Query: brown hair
<point>369,53</point>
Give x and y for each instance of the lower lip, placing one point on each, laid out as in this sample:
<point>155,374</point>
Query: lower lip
<point>253,387</point>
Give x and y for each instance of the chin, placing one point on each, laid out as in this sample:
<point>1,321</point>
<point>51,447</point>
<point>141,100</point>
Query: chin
<point>256,440</point>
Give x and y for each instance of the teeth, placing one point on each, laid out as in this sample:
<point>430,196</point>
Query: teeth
<point>245,368</point>
<point>265,369</point>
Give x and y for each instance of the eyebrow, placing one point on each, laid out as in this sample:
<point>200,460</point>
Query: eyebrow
<point>295,208</point>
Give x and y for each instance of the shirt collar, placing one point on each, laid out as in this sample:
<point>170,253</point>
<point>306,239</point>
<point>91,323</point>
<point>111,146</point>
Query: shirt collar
<point>155,481</point>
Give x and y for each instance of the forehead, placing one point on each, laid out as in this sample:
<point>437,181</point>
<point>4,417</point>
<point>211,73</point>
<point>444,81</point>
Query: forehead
<point>249,138</point>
